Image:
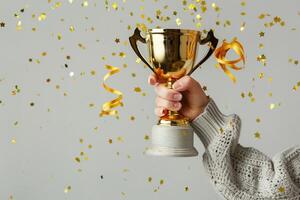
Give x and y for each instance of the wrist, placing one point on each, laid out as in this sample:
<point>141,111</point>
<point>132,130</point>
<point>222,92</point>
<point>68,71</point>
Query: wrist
<point>201,108</point>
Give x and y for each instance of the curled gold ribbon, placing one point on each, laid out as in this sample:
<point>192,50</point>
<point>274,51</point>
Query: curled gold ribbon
<point>220,54</point>
<point>107,107</point>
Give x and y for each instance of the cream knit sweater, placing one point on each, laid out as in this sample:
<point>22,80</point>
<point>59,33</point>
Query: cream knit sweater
<point>244,173</point>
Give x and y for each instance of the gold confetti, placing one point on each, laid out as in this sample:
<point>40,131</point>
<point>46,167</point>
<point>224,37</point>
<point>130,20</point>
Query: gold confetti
<point>71,28</point>
<point>161,182</point>
<point>272,106</point>
<point>19,25</point>
<point>137,89</point>
<point>220,55</point>
<point>13,141</point>
<point>215,7</point>
<point>186,188</point>
<point>107,107</point>
<point>262,59</point>
<point>242,28</point>
<point>178,21</point>
<point>85,3</point>
<point>59,36</point>
<point>42,17</point>
<point>67,189</point>
<point>149,179</point>
<point>77,159</point>
<point>281,189</point>
<point>261,34</point>
<point>114,6</point>
<point>146,137</point>
<point>132,118</point>
<point>257,120</point>
<point>110,141</point>
<point>257,135</point>
<point>261,75</point>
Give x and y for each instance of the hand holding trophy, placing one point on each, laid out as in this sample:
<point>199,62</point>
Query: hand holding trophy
<point>172,54</point>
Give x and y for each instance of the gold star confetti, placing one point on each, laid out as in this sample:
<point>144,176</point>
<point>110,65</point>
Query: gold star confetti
<point>262,59</point>
<point>261,34</point>
<point>257,135</point>
<point>257,120</point>
<point>281,189</point>
<point>2,24</point>
<point>117,40</point>
<point>67,189</point>
<point>149,179</point>
<point>186,189</point>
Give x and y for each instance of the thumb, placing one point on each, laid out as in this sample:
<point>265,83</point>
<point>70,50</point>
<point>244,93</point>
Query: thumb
<point>186,83</point>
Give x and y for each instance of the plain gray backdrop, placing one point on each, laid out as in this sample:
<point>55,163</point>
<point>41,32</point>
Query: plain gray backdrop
<point>41,164</point>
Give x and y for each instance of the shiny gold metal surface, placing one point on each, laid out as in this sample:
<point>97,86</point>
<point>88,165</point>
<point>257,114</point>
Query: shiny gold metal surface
<point>172,54</point>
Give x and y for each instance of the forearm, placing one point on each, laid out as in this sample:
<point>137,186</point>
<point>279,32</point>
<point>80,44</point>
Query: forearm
<point>244,172</point>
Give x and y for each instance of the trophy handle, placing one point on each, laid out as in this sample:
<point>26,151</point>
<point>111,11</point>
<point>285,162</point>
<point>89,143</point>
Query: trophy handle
<point>213,44</point>
<point>133,42</point>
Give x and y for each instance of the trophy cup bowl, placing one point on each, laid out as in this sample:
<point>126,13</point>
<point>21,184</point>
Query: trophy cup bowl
<point>172,54</point>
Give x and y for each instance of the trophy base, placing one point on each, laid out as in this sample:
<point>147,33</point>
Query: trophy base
<point>174,141</point>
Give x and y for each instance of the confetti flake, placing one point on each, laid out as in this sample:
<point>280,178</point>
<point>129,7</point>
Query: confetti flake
<point>178,21</point>
<point>42,17</point>
<point>186,189</point>
<point>137,89</point>
<point>261,34</point>
<point>71,28</point>
<point>272,106</point>
<point>13,141</point>
<point>242,28</point>
<point>161,182</point>
<point>257,135</point>
<point>281,189</point>
<point>146,137</point>
<point>115,6</point>
<point>67,189</point>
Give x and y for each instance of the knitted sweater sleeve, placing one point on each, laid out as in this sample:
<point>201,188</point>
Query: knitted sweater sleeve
<point>239,172</point>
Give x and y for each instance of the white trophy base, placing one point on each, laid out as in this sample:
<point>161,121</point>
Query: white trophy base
<point>177,141</point>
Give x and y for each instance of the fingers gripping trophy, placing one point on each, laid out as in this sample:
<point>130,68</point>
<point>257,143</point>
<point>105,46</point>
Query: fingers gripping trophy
<point>172,54</point>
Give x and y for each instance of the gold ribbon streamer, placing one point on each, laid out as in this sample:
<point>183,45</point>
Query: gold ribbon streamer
<point>220,54</point>
<point>107,107</point>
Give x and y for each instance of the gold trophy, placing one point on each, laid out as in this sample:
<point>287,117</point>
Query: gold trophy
<point>172,54</point>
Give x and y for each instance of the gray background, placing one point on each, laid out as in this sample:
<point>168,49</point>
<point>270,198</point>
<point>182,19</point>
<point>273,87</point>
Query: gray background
<point>42,162</point>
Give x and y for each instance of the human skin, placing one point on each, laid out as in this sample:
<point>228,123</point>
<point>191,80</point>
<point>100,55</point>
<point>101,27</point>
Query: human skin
<point>186,96</point>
